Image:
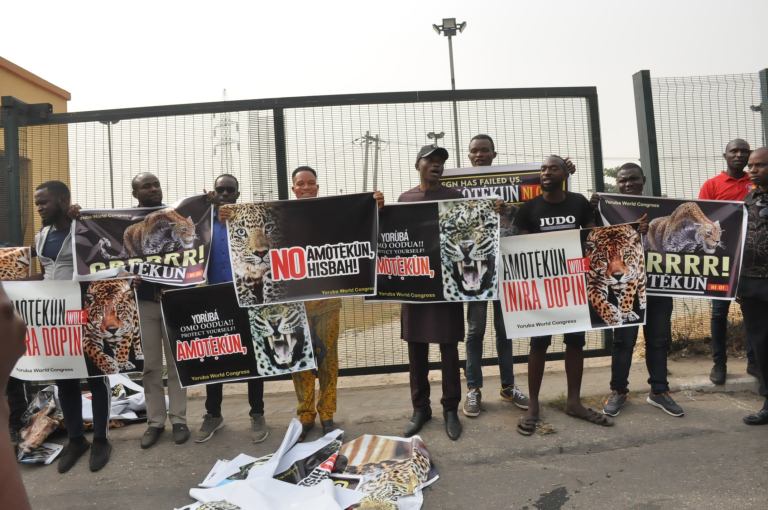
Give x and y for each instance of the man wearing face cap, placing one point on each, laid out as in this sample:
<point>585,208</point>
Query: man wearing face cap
<point>432,323</point>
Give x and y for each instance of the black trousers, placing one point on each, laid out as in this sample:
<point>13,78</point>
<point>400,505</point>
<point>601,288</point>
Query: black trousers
<point>72,406</point>
<point>755,313</point>
<point>214,396</point>
<point>17,402</point>
<point>418,367</point>
<point>658,337</point>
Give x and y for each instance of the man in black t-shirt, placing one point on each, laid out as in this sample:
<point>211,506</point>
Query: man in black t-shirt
<point>556,209</point>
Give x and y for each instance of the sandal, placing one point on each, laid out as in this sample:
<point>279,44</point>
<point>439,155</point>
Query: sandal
<point>527,425</point>
<point>593,416</point>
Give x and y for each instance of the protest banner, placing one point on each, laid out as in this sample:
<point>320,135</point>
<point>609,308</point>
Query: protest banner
<point>15,263</point>
<point>77,330</point>
<point>301,250</point>
<point>214,340</point>
<point>572,280</point>
<point>514,184</point>
<point>693,247</point>
<point>438,251</point>
<point>168,245</point>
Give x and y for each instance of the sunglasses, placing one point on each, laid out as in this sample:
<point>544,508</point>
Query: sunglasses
<point>225,189</point>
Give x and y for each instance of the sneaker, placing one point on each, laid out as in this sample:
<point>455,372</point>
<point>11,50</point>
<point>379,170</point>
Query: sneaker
<point>614,402</point>
<point>472,404</point>
<point>209,427</point>
<point>71,453</point>
<point>180,433</point>
<point>514,395</point>
<point>664,402</point>
<point>717,374</point>
<point>100,452</point>
<point>259,430</point>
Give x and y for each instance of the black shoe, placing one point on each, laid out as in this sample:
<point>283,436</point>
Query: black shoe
<point>305,428</point>
<point>752,370</point>
<point>328,426</point>
<point>71,452</point>
<point>717,374</point>
<point>100,452</point>
<point>180,433</point>
<point>150,437</point>
<point>759,418</point>
<point>452,425</point>
<point>419,418</point>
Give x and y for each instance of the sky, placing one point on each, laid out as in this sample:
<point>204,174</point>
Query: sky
<point>140,53</point>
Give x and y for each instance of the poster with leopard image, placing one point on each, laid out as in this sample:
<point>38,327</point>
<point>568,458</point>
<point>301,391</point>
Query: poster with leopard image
<point>693,247</point>
<point>214,340</point>
<point>569,281</point>
<point>168,245</point>
<point>438,251</point>
<point>514,184</point>
<point>299,250</point>
<point>77,329</point>
<point>15,263</point>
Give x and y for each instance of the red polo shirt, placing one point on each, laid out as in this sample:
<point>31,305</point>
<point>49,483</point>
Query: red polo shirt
<point>725,187</point>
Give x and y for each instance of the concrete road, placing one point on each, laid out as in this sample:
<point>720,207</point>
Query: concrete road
<point>648,460</point>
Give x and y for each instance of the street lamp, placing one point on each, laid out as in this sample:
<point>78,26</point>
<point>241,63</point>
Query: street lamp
<point>435,136</point>
<point>109,123</point>
<point>450,28</point>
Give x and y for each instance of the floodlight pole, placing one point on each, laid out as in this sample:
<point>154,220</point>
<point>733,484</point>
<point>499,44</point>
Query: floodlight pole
<point>449,29</point>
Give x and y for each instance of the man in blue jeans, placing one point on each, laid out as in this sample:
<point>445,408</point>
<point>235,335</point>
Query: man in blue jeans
<point>482,152</point>
<point>657,330</point>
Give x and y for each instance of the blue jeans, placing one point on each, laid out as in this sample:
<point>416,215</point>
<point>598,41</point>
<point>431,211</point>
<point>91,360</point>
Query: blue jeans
<point>658,336</point>
<point>477,314</point>
<point>719,333</point>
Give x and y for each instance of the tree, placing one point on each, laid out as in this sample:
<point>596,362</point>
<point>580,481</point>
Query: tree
<point>610,182</point>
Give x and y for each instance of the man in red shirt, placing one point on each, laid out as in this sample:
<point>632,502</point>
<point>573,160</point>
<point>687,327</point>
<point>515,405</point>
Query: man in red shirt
<point>732,184</point>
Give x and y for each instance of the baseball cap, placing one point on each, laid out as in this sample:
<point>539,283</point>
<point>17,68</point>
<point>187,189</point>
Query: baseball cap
<point>428,150</point>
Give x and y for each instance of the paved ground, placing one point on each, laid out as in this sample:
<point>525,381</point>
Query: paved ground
<point>649,460</point>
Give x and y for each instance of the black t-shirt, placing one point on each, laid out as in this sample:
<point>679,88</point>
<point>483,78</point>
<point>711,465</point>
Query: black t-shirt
<point>538,215</point>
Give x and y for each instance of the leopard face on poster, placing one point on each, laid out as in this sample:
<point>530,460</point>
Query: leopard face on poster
<point>215,340</point>
<point>693,247</point>
<point>168,245</point>
<point>514,184</point>
<point>438,251</point>
<point>15,263</point>
<point>298,250</point>
<point>77,329</point>
<point>572,280</point>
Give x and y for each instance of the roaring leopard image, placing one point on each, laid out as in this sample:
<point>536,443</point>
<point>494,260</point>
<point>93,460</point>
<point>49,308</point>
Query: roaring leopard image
<point>469,242</point>
<point>616,270</point>
<point>14,263</point>
<point>163,231</point>
<point>253,231</point>
<point>113,324</point>
<point>686,230</point>
<point>281,338</point>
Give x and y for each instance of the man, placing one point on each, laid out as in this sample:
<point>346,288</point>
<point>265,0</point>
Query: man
<point>147,191</point>
<point>323,318</point>
<point>482,152</point>
<point>440,323</point>
<point>226,190</point>
<point>753,282</point>
<point>562,210</point>
<point>53,246</point>
<point>657,329</point>
<point>732,184</point>
<point>12,492</point>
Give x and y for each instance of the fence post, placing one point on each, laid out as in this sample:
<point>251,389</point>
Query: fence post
<point>764,104</point>
<point>10,122</point>
<point>597,144</point>
<point>281,155</point>
<point>646,131</point>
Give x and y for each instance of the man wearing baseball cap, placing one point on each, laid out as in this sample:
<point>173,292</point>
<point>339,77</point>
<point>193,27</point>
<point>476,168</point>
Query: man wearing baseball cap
<point>432,323</point>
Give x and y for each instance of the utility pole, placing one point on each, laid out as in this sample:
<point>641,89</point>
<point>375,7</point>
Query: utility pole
<point>450,28</point>
<point>366,140</point>
<point>111,164</point>
<point>226,141</point>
